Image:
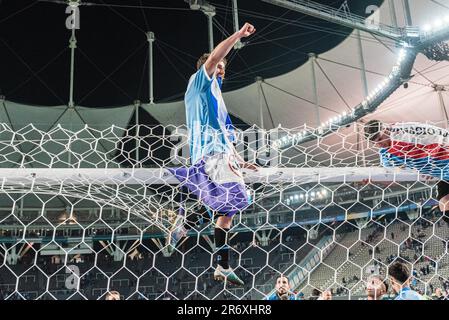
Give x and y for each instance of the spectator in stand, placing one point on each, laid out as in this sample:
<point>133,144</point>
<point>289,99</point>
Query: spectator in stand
<point>315,294</point>
<point>326,295</point>
<point>112,295</point>
<point>282,290</point>
<point>438,295</point>
<point>376,288</point>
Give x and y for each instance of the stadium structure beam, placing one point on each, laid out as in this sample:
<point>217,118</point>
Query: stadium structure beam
<point>340,17</point>
<point>235,12</point>
<point>210,13</point>
<point>151,38</point>
<point>259,81</point>
<point>137,106</point>
<point>312,60</point>
<point>439,90</point>
<point>21,208</point>
<point>362,64</point>
<point>394,17</point>
<point>407,13</point>
<point>72,68</point>
<point>73,7</point>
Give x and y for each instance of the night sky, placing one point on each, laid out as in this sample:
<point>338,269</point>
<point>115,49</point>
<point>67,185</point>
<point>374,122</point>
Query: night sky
<point>112,55</point>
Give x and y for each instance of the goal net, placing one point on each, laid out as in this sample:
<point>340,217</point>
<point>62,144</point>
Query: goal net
<point>84,213</point>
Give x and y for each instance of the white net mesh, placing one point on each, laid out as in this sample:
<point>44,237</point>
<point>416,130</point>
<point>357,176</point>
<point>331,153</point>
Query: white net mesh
<point>85,213</point>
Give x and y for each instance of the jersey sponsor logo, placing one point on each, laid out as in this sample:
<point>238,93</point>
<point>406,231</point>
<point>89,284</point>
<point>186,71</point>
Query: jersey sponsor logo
<point>421,130</point>
<point>419,134</point>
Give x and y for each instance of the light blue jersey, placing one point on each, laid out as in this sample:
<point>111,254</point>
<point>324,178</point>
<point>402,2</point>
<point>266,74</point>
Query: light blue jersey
<point>408,294</point>
<point>210,127</point>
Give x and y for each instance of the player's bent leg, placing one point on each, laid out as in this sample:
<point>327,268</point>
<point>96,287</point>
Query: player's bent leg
<point>224,272</point>
<point>224,222</point>
<point>189,216</point>
<point>183,224</point>
<point>221,231</point>
<point>177,232</point>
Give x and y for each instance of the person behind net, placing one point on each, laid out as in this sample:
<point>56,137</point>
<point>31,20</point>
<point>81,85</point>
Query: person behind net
<point>438,295</point>
<point>282,290</point>
<point>112,295</point>
<point>321,295</point>
<point>325,295</point>
<point>376,288</point>
<point>316,293</point>
<point>215,176</point>
<point>416,146</point>
<point>399,275</point>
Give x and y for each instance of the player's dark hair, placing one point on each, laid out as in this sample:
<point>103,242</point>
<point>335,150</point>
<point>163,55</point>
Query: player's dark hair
<point>399,271</point>
<point>372,129</point>
<point>315,294</point>
<point>202,60</point>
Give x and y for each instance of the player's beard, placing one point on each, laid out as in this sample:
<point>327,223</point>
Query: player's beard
<point>284,295</point>
<point>282,291</point>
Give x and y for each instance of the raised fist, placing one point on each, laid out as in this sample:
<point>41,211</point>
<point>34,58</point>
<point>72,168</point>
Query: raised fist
<point>247,30</point>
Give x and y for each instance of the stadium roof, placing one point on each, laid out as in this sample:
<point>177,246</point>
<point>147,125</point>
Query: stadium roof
<point>111,64</point>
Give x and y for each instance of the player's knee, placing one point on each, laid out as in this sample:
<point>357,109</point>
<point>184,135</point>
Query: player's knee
<point>224,222</point>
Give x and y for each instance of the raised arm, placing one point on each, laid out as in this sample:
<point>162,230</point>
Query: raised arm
<point>222,50</point>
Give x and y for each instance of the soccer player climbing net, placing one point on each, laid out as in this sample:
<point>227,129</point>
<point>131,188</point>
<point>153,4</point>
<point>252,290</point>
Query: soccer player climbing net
<point>88,212</point>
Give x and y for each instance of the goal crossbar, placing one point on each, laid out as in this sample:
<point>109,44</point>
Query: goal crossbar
<point>157,176</point>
